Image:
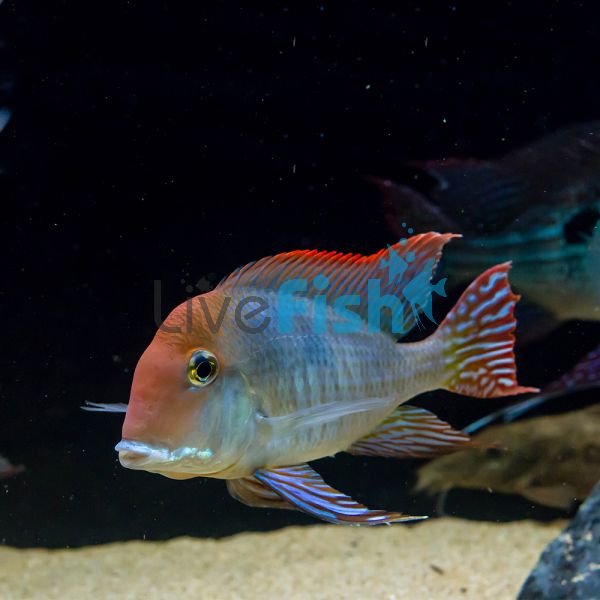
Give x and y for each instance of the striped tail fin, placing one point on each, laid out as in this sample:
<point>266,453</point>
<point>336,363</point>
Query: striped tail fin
<point>477,339</point>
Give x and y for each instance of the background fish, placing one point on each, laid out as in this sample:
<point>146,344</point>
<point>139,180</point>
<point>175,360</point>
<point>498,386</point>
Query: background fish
<point>499,468</point>
<point>7,469</point>
<point>552,460</point>
<point>216,396</point>
<point>538,206</point>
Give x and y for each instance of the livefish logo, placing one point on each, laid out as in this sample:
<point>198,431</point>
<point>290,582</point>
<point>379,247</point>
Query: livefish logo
<point>396,295</point>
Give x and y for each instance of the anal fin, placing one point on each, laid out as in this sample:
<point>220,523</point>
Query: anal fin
<point>411,432</point>
<point>305,490</point>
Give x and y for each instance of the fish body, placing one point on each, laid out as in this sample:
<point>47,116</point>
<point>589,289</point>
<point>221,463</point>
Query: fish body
<point>538,206</point>
<point>282,377</point>
<point>301,371</point>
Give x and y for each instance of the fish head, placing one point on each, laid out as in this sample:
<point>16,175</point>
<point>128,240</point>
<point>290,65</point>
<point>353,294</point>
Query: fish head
<point>191,411</point>
<point>502,454</point>
<point>459,469</point>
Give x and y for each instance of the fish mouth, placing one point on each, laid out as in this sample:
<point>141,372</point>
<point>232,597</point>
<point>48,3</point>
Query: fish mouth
<point>141,456</point>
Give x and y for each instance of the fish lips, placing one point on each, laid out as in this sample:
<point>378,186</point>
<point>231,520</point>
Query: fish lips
<point>141,456</point>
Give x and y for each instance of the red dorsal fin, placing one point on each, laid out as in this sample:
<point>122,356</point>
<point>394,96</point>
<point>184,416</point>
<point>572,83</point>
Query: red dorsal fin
<point>411,432</point>
<point>411,260</point>
<point>306,490</point>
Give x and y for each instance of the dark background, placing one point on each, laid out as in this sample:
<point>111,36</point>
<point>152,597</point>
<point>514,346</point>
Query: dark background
<point>177,140</point>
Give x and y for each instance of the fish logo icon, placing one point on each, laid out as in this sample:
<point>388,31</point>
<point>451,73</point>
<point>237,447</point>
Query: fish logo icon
<point>395,264</point>
<point>419,290</point>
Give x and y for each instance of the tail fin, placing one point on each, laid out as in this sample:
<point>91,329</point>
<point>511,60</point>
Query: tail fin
<point>477,339</point>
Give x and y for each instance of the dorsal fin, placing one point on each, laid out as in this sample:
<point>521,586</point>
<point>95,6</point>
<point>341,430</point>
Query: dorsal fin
<point>411,260</point>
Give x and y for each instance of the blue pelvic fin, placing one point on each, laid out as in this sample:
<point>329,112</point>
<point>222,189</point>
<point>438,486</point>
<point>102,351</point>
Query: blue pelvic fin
<point>411,432</point>
<point>305,489</point>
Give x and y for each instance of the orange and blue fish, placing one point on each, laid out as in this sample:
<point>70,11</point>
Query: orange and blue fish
<point>254,401</point>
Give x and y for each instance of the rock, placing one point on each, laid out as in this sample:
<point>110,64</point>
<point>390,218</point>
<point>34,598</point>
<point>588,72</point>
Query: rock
<point>569,567</point>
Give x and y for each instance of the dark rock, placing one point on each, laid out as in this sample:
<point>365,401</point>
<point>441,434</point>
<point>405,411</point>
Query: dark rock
<point>569,567</point>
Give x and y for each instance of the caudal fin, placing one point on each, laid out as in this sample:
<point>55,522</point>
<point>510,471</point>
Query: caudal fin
<point>477,339</point>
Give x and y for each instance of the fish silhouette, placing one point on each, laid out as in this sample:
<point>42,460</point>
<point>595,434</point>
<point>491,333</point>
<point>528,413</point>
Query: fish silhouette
<point>538,206</point>
<point>551,460</point>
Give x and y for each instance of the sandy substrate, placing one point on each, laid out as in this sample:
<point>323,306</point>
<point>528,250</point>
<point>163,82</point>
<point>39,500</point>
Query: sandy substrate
<point>446,558</point>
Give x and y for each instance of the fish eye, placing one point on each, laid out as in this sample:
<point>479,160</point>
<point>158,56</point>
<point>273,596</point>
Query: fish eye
<point>203,368</point>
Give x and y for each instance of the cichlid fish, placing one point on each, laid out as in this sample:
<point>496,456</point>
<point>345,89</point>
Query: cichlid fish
<point>219,394</point>
<point>538,206</point>
<point>552,460</point>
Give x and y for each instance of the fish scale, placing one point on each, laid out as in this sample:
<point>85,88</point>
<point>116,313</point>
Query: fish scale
<point>302,370</point>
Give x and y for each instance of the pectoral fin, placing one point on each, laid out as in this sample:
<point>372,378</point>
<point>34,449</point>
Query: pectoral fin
<point>411,432</point>
<point>304,488</point>
<point>316,416</point>
<point>250,491</point>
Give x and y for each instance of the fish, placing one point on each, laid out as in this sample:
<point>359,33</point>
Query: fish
<point>496,461</point>
<point>9,470</point>
<point>255,379</point>
<point>538,206</point>
<point>552,460</point>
